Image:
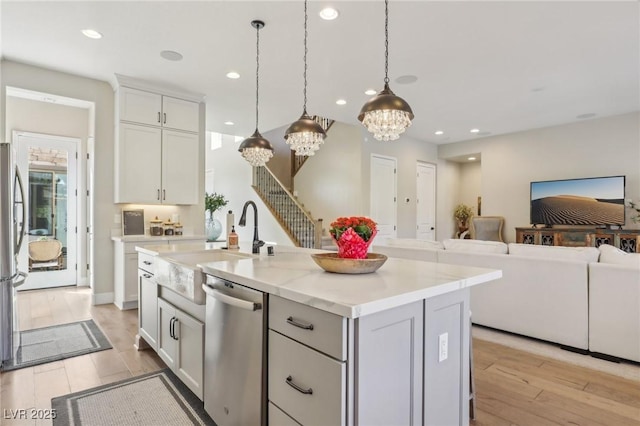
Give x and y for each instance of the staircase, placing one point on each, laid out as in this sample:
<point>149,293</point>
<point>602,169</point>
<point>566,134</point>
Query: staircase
<point>303,230</point>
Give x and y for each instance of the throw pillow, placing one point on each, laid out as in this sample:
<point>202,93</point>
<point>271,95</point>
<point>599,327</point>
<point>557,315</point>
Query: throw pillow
<point>611,254</point>
<point>586,254</point>
<point>478,246</point>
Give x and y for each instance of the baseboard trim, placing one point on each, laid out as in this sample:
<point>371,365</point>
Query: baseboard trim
<point>576,350</point>
<point>102,298</point>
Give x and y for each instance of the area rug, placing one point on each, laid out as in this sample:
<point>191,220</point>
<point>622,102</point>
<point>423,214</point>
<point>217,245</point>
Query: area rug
<point>157,398</point>
<point>47,344</point>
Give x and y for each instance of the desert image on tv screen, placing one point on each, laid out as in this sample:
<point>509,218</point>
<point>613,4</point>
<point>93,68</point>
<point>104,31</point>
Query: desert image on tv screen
<point>594,201</point>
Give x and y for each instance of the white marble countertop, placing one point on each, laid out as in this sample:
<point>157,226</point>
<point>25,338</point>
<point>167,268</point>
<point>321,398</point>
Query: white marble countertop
<point>292,274</point>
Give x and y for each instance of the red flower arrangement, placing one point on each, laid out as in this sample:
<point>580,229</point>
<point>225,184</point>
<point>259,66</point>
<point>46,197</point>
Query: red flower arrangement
<point>353,236</point>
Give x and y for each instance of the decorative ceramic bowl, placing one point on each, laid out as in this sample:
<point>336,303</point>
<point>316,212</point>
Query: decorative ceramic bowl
<point>330,262</point>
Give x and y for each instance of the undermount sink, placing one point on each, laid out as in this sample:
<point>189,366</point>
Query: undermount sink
<point>180,273</point>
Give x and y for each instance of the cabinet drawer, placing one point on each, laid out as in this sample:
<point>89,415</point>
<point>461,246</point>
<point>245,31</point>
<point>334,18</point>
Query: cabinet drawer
<point>321,330</point>
<point>277,417</point>
<point>321,377</point>
<point>145,262</point>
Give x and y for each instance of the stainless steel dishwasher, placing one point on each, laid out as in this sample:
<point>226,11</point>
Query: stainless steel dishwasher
<point>235,374</point>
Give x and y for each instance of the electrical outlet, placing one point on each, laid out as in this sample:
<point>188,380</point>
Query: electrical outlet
<point>443,347</point>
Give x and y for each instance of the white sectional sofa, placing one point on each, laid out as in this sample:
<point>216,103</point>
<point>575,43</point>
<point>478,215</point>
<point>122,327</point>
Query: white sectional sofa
<point>559,294</point>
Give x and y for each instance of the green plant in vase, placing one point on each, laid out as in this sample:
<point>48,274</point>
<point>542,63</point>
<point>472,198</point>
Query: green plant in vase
<point>462,213</point>
<point>212,203</point>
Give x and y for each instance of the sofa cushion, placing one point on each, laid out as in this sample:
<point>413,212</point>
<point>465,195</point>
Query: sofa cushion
<point>611,254</point>
<point>586,254</point>
<point>413,243</point>
<point>479,246</point>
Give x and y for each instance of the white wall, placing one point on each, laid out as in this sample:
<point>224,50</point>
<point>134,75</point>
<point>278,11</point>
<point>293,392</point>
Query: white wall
<point>47,81</point>
<point>471,188</point>
<point>232,178</point>
<point>598,147</point>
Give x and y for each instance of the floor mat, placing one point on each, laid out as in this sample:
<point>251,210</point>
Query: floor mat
<point>48,344</point>
<point>158,398</point>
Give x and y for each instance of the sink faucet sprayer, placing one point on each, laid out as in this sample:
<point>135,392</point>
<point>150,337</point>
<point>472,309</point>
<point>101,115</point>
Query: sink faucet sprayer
<point>257,242</point>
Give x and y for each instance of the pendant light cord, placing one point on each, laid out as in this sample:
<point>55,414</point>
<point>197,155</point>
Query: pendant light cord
<point>304,107</point>
<point>386,42</point>
<point>257,70</point>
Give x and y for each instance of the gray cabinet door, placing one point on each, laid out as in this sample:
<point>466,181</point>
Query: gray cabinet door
<point>388,382</point>
<point>148,308</point>
<point>167,345</point>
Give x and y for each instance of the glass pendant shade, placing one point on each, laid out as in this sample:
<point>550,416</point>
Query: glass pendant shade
<point>386,115</point>
<point>305,135</point>
<point>256,149</point>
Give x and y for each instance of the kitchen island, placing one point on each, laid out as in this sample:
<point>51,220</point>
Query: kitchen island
<point>390,347</point>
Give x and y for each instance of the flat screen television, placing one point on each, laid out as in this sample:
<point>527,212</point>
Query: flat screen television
<point>597,201</point>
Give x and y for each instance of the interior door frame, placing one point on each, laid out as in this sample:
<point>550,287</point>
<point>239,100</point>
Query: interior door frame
<point>77,235</point>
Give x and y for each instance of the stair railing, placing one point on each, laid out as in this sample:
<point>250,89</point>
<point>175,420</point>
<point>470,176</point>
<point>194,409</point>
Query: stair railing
<point>298,160</point>
<point>294,219</point>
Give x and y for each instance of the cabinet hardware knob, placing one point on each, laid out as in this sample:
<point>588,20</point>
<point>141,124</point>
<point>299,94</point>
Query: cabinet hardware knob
<point>164,194</point>
<point>175,321</point>
<point>295,323</point>
<point>146,275</point>
<point>158,116</point>
<point>158,195</point>
<point>165,118</point>
<point>171,327</point>
<point>146,262</point>
<point>297,387</point>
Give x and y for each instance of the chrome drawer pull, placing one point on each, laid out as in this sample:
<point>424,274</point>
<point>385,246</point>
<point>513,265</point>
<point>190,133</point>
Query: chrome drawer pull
<point>291,321</point>
<point>298,388</point>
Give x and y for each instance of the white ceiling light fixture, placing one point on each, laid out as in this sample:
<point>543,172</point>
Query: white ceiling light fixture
<point>329,13</point>
<point>341,102</point>
<point>474,130</point>
<point>305,135</point>
<point>170,55</point>
<point>386,115</point>
<point>370,92</point>
<point>229,123</point>
<point>233,75</point>
<point>471,158</point>
<point>439,132</point>
<point>92,33</point>
<point>256,149</point>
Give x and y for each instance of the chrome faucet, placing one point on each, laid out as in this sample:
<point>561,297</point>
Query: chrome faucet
<point>257,242</point>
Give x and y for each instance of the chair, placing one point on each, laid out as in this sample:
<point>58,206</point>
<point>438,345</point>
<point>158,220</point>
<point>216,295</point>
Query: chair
<point>487,228</point>
<point>45,254</point>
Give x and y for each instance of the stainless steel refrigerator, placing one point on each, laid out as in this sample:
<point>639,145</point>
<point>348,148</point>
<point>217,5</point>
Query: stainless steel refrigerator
<point>12,231</point>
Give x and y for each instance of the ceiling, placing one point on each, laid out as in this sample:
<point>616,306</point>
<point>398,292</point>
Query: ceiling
<point>499,67</point>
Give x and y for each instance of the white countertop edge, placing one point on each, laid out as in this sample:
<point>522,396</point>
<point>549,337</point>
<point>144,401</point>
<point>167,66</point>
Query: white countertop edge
<point>159,238</point>
<point>351,311</point>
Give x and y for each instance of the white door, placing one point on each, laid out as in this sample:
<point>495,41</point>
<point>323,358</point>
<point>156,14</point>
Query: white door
<point>383,194</point>
<point>49,167</point>
<point>426,202</point>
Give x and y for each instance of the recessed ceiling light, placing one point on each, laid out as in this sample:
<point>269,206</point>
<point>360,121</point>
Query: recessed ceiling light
<point>587,115</point>
<point>439,132</point>
<point>92,33</point>
<point>341,102</point>
<point>471,158</point>
<point>229,123</point>
<point>370,92</point>
<point>406,79</point>
<point>233,75</point>
<point>328,14</point>
<point>474,130</point>
<point>170,55</point>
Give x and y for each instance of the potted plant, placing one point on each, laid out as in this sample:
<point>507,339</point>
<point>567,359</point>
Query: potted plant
<point>353,236</point>
<point>212,203</point>
<point>462,213</point>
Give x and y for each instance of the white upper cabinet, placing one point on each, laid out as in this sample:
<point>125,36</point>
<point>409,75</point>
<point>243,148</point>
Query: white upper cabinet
<point>157,149</point>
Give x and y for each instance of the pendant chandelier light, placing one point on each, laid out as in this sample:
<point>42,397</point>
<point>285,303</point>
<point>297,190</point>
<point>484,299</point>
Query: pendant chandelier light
<point>256,149</point>
<point>305,135</point>
<point>386,115</point>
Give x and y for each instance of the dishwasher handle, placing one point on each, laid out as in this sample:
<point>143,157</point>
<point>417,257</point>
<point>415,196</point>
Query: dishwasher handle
<point>229,300</point>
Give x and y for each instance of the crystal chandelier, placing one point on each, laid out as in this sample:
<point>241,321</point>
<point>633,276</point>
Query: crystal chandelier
<point>305,135</point>
<point>256,149</point>
<point>386,115</point>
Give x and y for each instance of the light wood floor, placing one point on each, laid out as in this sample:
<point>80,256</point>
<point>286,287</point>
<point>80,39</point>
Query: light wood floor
<point>513,387</point>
